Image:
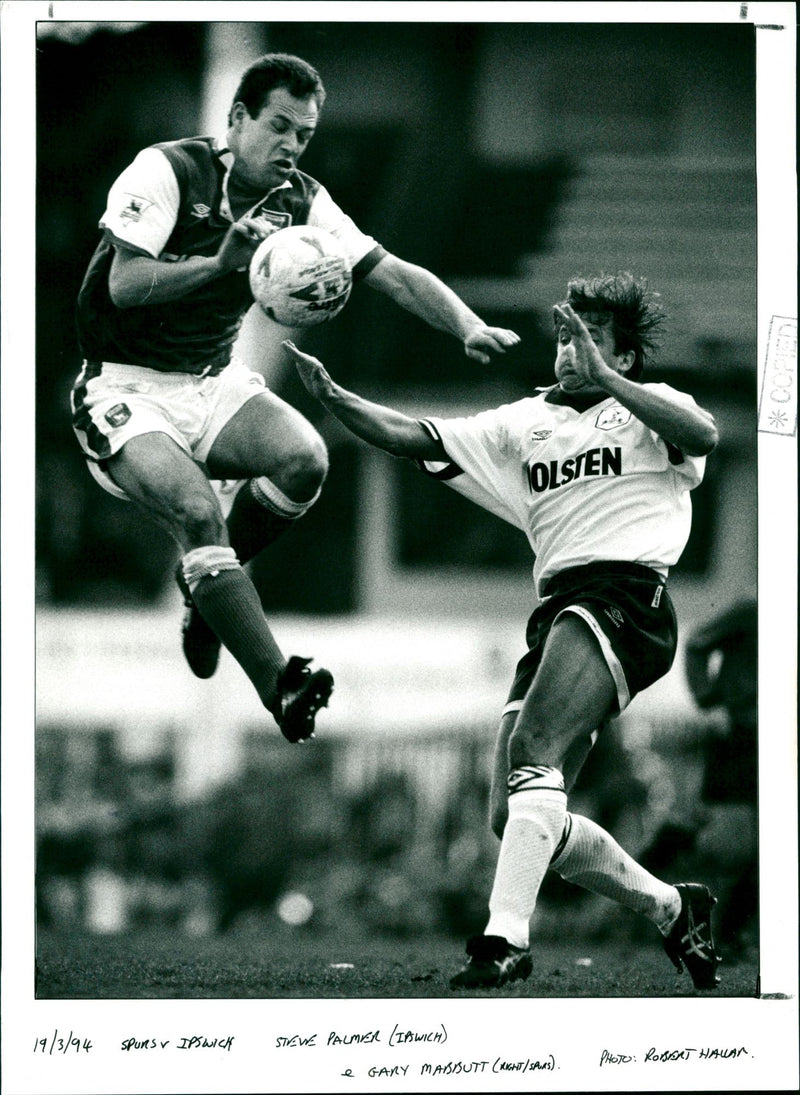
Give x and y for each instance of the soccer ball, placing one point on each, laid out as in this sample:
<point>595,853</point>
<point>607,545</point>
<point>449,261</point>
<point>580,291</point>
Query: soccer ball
<point>301,276</point>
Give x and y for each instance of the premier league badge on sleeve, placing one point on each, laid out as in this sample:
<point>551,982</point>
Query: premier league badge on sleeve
<point>612,417</point>
<point>135,208</point>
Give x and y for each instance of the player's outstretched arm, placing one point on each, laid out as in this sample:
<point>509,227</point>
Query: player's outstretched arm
<point>380,426</point>
<point>689,428</point>
<point>136,279</point>
<point>422,293</point>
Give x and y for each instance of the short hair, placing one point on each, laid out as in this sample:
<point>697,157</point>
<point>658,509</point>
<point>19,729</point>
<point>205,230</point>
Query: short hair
<point>635,313</point>
<point>277,70</point>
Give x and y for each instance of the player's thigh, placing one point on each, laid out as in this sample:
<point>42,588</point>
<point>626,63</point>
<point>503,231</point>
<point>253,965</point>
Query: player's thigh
<point>162,479</point>
<point>571,695</point>
<point>266,436</point>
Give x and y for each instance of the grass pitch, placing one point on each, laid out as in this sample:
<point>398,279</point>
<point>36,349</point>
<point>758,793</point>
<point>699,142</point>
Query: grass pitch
<point>265,964</point>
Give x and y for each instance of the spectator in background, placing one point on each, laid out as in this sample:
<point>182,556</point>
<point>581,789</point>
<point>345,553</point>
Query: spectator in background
<point>161,408</point>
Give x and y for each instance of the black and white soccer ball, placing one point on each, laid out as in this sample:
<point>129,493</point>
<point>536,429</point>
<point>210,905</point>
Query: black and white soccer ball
<point>301,276</point>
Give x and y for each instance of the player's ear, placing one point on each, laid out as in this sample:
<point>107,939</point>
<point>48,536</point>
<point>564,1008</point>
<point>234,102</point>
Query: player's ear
<point>238,111</point>
<point>625,361</point>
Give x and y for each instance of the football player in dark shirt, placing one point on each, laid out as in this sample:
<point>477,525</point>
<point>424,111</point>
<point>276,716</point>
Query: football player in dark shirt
<point>162,408</point>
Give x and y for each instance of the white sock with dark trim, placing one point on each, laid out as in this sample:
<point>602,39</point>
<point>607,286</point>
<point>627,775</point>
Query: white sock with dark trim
<point>537,806</point>
<point>593,859</point>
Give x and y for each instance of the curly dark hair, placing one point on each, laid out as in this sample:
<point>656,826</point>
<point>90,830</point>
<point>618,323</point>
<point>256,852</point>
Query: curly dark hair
<point>625,301</point>
<point>277,70</point>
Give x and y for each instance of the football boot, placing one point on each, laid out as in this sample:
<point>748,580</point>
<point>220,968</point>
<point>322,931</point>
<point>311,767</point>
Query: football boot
<point>300,694</point>
<point>690,943</point>
<point>492,962</point>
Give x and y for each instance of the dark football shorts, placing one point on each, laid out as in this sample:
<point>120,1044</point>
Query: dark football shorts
<point>627,608</point>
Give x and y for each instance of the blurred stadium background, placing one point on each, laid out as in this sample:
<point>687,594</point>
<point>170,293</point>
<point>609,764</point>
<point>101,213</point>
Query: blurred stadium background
<point>505,157</point>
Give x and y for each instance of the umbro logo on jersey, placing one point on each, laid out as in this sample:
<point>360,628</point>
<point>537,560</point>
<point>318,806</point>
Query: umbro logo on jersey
<point>200,211</point>
<point>612,417</point>
<point>540,435</point>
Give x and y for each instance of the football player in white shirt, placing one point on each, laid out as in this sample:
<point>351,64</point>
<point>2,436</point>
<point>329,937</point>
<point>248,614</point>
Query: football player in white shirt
<point>161,409</point>
<point>596,470</point>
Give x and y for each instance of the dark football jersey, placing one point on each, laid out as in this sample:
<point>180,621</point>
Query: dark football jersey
<point>172,215</point>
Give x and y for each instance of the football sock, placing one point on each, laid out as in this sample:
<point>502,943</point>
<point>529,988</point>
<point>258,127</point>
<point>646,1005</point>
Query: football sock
<point>259,515</point>
<point>590,857</point>
<point>228,602</point>
<point>537,806</point>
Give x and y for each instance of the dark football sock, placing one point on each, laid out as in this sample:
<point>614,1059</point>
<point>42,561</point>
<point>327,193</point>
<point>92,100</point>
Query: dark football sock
<point>229,603</point>
<point>251,526</point>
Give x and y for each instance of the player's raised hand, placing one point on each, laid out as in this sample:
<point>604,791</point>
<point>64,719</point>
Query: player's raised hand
<point>240,243</point>
<point>312,372</point>
<point>587,360</point>
<point>484,341</point>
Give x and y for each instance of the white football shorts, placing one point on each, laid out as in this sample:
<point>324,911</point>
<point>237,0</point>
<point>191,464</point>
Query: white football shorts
<point>115,402</point>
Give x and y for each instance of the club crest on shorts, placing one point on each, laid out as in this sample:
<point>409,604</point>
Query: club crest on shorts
<point>118,415</point>
<point>612,417</point>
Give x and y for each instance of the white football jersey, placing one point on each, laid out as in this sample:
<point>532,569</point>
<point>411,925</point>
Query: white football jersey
<point>584,486</point>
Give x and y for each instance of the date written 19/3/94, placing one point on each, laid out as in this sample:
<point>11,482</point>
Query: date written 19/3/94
<point>59,1042</point>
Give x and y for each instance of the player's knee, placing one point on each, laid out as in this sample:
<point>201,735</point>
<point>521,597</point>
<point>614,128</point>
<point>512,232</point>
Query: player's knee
<point>531,743</point>
<point>304,468</point>
<point>201,520</point>
<point>315,463</point>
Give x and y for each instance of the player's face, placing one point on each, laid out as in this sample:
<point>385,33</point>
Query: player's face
<point>268,146</point>
<point>603,338</point>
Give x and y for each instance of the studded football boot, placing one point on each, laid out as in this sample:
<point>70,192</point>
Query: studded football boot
<point>492,962</point>
<point>300,695</point>
<point>690,943</point>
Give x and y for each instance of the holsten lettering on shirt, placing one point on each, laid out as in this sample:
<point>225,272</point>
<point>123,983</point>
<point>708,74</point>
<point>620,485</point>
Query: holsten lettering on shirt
<point>554,474</point>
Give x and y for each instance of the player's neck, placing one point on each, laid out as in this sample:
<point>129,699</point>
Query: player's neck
<point>579,401</point>
<point>242,192</point>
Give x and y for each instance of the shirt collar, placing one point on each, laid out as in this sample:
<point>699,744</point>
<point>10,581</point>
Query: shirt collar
<point>576,400</point>
<point>227,158</point>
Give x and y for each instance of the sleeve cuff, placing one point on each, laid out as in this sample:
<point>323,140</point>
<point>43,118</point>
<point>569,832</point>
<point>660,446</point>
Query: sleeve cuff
<point>125,245</point>
<point>437,469</point>
<point>369,262</point>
